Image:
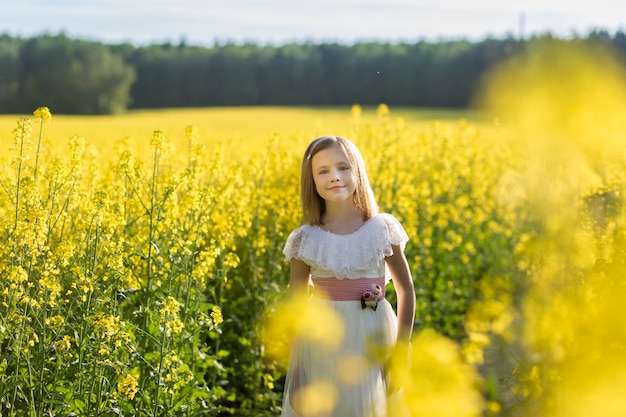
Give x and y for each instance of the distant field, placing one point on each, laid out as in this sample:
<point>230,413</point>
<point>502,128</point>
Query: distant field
<point>224,123</point>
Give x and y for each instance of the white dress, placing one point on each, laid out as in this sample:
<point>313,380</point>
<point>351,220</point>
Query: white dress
<point>346,379</point>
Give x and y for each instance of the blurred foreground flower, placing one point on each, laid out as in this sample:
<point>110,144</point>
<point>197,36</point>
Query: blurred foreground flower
<point>298,318</point>
<point>567,102</point>
<point>435,381</point>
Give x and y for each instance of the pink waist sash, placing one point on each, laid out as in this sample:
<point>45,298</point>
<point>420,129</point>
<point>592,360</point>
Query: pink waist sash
<point>345,289</point>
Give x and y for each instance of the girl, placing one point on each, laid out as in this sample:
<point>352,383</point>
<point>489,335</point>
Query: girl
<point>348,253</point>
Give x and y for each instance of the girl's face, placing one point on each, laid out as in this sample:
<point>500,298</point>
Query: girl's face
<point>334,179</point>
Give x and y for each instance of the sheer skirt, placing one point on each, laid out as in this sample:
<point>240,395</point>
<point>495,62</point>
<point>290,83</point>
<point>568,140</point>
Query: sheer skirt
<point>346,378</point>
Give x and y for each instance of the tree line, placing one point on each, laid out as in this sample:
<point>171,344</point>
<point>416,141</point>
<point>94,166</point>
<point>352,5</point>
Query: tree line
<point>76,76</point>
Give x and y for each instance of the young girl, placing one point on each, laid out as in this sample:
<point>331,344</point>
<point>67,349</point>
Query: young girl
<point>347,252</point>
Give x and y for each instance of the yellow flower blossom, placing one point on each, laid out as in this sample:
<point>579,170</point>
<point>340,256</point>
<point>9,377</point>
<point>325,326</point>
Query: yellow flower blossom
<point>216,316</point>
<point>174,326</point>
<point>356,111</point>
<point>107,324</point>
<point>63,344</point>
<point>169,307</point>
<point>382,110</point>
<point>104,350</point>
<point>191,131</point>
<point>43,114</point>
<point>128,385</point>
<point>34,339</point>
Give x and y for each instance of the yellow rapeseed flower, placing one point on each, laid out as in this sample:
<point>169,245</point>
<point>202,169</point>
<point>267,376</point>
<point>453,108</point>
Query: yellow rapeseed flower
<point>382,110</point>
<point>128,385</point>
<point>169,307</point>
<point>356,111</point>
<point>63,344</point>
<point>17,274</point>
<point>231,260</point>
<point>191,131</point>
<point>43,114</point>
<point>157,141</point>
<point>104,350</point>
<point>109,325</point>
<point>174,326</point>
<point>216,315</point>
<point>269,381</point>
<point>437,381</point>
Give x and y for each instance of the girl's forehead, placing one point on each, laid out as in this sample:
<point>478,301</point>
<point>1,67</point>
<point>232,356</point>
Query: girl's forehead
<point>333,152</point>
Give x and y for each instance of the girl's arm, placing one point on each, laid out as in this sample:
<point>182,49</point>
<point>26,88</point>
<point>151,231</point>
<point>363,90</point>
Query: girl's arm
<point>403,285</point>
<point>299,277</point>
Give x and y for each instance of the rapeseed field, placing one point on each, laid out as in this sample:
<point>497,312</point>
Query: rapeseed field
<point>140,255</point>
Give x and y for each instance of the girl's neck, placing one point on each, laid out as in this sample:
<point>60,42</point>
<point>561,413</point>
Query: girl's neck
<point>341,211</point>
<point>342,219</point>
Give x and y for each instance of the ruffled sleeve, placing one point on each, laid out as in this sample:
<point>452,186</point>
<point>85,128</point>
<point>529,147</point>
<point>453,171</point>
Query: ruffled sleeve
<point>292,247</point>
<point>360,254</point>
<point>395,233</point>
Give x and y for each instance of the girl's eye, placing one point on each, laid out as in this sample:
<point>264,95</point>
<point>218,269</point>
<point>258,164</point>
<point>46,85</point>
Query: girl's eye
<point>344,168</point>
<point>324,171</point>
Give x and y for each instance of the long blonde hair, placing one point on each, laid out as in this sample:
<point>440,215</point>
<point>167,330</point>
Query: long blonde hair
<point>314,206</point>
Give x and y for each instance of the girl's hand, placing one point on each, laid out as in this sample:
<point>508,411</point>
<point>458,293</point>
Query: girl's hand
<point>400,360</point>
<point>403,285</point>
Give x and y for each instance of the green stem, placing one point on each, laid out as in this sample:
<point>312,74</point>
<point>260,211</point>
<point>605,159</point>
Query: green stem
<point>152,220</point>
<point>190,280</point>
<point>38,149</point>
<point>148,288</point>
<point>81,349</point>
<point>87,267</point>
<point>19,173</point>
<point>42,359</point>
<point>31,372</point>
<point>190,143</point>
<point>158,382</point>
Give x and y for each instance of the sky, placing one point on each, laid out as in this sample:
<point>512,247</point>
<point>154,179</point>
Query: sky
<point>205,22</point>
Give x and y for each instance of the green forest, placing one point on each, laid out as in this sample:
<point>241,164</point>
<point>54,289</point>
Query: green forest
<point>76,76</point>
